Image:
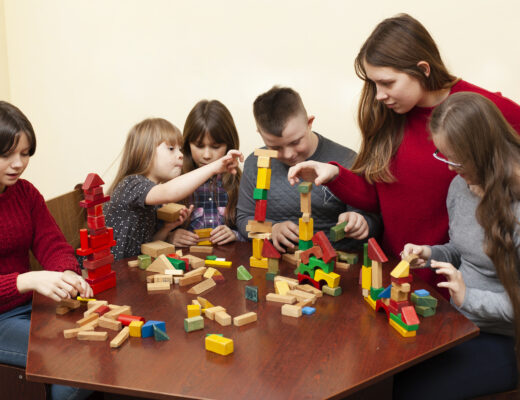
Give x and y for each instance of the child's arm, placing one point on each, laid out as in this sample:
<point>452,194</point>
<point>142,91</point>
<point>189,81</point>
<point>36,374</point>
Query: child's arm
<point>181,187</point>
<point>162,234</point>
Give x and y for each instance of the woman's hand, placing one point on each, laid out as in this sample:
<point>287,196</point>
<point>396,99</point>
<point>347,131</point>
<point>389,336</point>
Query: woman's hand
<point>455,282</point>
<point>54,284</point>
<point>312,171</point>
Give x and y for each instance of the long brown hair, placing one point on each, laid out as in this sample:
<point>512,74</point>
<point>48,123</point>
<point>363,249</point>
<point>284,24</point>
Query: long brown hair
<point>213,118</point>
<point>400,42</point>
<point>140,145</point>
<point>488,148</point>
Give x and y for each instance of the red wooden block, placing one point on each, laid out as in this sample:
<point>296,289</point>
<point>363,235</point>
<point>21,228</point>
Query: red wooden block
<point>91,265</point>
<point>104,284</point>
<point>313,251</point>
<point>94,190</point>
<point>99,254</point>
<point>96,222</point>
<point>303,279</point>
<point>95,274</point>
<point>186,261</point>
<point>269,251</point>
<point>83,237</point>
<point>95,232</point>
<point>409,316</point>
<point>102,310</point>
<point>320,239</point>
<point>93,180</point>
<point>218,278</point>
<point>126,319</point>
<point>101,278</point>
<point>400,281</point>
<point>260,210</point>
<point>93,197</point>
<point>381,305</point>
<point>99,240</point>
<point>95,211</point>
<point>397,305</point>
<point>374,251</point>
<point>88,204</point>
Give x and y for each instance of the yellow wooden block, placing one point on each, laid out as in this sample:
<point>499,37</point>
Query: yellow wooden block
<point>203,233</point>
<point>216,263</point>
<point>263,162</point>
<point>371,302</point>
<point>205,243</point>
<point>400,329</point>
<point>193,310</point>
<point>135,328</point>
<point>281,287</point>
<point>219,344</point>
<point>366,277</point>
<point>331,278</point>
<point>258,245</point>
<point>402,270</point>
<point>263,178</point>
<point>209,272</point>
<point>258,263</point>
<point>306,229</point>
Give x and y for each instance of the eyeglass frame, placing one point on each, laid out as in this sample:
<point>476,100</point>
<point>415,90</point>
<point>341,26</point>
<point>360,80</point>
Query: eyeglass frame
<point>437,157</point>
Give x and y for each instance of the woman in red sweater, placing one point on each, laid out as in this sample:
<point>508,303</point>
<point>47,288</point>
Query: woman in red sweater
<point>395,173</point>
<point>28,225</point>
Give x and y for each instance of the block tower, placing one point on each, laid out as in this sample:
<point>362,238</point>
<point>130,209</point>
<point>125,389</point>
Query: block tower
<point>394,299</point>
<point>98,239</point>
<point>260,229</point>
<point>317,256</point>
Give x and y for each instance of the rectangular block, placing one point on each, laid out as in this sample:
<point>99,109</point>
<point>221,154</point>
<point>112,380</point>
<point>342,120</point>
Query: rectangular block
<point>263,162</point>
<point>156,248</point>
<point>260,210</point>
<point>155,286</point>
<point>245,319</point>
<point>260,194</point>
<point>120,338</point>
<point>135,328</point>
<point>223,318</point>
<point>218,344</point>
<point>99,272</point>
<point>291,311</point>
<point>306,229</point>
<point>202,287</point>
<point>263,178</point>
<point>278,298</point>
<point>193,324</point>
<point>266,153</point>
<point>305,203</point>
<point>193,310</point>
<point>211,311</point>
<point>170,212</point>
<point>92,335</point>
<point>201,249</point>
<point>258,263</point>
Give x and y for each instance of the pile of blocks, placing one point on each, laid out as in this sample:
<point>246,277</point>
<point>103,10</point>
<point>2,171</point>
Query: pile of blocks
<point>425,304</point>
<point>295,297</point>
<point>98,239</point>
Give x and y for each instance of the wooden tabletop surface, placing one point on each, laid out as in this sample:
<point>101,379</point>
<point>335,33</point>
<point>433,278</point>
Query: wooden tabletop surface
<point>344,347</point>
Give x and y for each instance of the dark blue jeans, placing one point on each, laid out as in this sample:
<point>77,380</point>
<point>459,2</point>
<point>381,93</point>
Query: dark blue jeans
<point>480,366</point>
<point>14,340</point>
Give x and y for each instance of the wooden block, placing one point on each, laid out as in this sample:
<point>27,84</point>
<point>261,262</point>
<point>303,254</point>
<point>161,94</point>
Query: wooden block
<point>402,270</point>
<point>204,303</point>
<point>92,335</point>
<point>209,273</point>
<point>290,281</point>
<point>301,295</point>
<point>118,311</point>
<point>155,286</point>
<point>306,229</point>
<point>310,289</point>
<point>223,318</point>
<point>203,233</point>
<point>405,287</point>
<point>201,249</point>
<point>170,212</point>
<point>109,323</point>
<point>377,274</point>
<point>195,262</point>
<point>281,287</point>
<point>279,298</point>
<point>217,263</point>
<point>290,258</point>
<point>266,153</point>
<point>291,310</point>
<point>258,235</point>
<point>87,319</point>
<point>210,312</point>
<point>306,217</point>
<point>303,303</point>
<point>218,344</point>
<point>194,272</point>
<point>193,323</point>
<point>174,272</point>
<point>258,263</point>
<point>156,248</point>
<point>70,333</point>
<point>133,263</point>
<point>259,227</point>
<point>366,277</point>
<point>70,303</point>
<point>61,310</point>
<point>120,338</point>
<point>185,281</point>
<point>135,328</point>
<point>403,332</point>
<point>397,295</point>
<point>160,265</point>
<point>263,162</point>
<point>163,278</point>
<point>193,310</point>
<point>245,319</point>
<point>305,204</point>
<point>92,305</point>
<point>202,287</point>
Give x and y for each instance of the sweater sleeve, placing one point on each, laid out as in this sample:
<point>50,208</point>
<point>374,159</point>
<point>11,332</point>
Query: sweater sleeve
<point>49,245</point>
<point>488,305</point>
<point>354,190</point>
<point>246,202</point>
<point>446,253</point>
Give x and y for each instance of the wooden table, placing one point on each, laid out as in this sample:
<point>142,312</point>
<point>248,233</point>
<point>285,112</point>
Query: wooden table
<point>344,347</point>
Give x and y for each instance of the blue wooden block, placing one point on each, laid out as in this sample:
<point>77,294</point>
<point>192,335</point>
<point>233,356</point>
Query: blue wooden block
<point>308,310</point>
<point>147,328</point>
<point>252,293</point>
<point>422,292</point>
<point>385,294</point>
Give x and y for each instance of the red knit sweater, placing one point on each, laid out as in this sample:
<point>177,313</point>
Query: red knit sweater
<point>413,208</point>
<point>28,225</point>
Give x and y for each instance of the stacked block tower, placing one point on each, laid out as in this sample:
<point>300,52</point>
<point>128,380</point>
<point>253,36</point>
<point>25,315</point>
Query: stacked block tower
<point>260,229</point>
<point>97,240</point>
<point>393,299</point>
<point>317,256</point>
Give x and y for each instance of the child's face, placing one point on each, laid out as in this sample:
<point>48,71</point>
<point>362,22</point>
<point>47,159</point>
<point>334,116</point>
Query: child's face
<point>446,153</point>
<point>14,162</point>
<point>398,91</point>
<point>167,163</point>
<point>207,151</point>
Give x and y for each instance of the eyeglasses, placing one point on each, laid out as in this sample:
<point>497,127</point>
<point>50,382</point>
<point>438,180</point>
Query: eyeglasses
<point>438,157</point>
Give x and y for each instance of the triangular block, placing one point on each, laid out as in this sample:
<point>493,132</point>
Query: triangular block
<point>243,274</point>
<point>93,180</point>
<point>160,265</point>
<point>268,250</point>
<point>374,251</point>
<point>385,294</point>
<point>159,334</point>
<point>409,316</point>
<point>402,270</point>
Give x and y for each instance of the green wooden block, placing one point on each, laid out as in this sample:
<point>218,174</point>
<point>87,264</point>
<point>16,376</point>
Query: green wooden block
<point>367,262</point>
<point>305,244</point>
<point>330,291</point>
<point>424,311</point>
<point>159,334</point>
<point>260,194</point>
<point>218,334</point>
<point>211,257</point>
<point>350,258</point>
<point>144,261</point>
<point>374,293</point>
<point>400,322</point>
<point>177,264</point>
<point>305,187</point>
<point>426,301</point>
<point>193,323</point>
<point>270,276</point>
<point>252,293</point>
<point>305,269</point>
<point>317,263</point>
<point>243,274</point>
<point>337,232</point>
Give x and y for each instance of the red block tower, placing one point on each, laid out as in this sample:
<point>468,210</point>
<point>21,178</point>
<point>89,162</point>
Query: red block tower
<point>98,239</point>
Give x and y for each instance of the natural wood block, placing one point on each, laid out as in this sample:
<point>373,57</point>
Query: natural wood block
<point>160,265</point>
<point>342,266</point>
<point>202,287</point>
<point>61,310</point>
<point>281,287</point>
<point>210,312</point>
<point>194,272</point>
<point>163,278</point>
<point>245,319</point>
<point>92,305</point>
<point>86,320</point>
<point>133,263</point>
<point>154,286</point>
<point>170,212</point>
<point>120,338</point>
<point>263,162</point>
<point>301,295</point>
<point>201,249</point>
<point>185,281</point>
<point>266,153</point>
<point>70,303</point>
<point>92,335</point>
<point>118,311</point>
<point>291,310</point>
<point>156,248</point>
<point>70,333</point>
<point>310,289</point>
<point>110,324</point>
<point>305,204</point>
<point>259,227</point>
<point>279,298</point>
<point>223,318</point>
<point>290,281</point>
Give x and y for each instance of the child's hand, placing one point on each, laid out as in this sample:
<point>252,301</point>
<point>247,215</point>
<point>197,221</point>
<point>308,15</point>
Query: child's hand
<point>455,282</point>
<point>357,225</point>
<point>312,171</point>
<point>423,252</point>
<point>79,284</point>
<point>54,284</point>
<point>285,234</point>
<point>183,216</point>
<point>222,234</point>
<point>183,238</point>
<point>229,163</point>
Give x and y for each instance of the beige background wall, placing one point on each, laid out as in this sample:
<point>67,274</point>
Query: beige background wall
<point>85,72</point>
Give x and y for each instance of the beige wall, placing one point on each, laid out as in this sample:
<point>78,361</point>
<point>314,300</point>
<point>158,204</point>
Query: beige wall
<point>4,74</point>
<point>85,72</point>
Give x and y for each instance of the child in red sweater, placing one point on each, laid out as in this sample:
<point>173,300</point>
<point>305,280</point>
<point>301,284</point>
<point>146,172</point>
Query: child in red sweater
<point>394,173</point>
<point>28,225</point>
